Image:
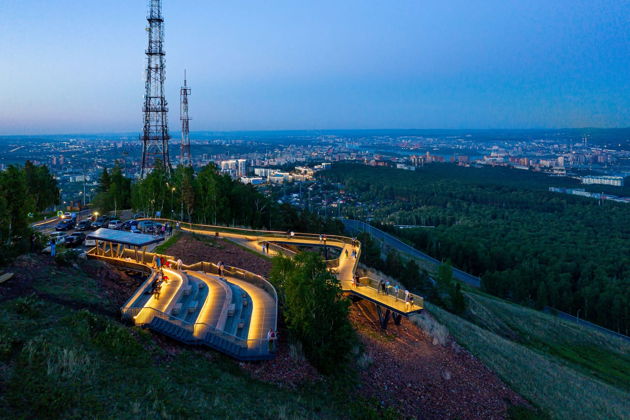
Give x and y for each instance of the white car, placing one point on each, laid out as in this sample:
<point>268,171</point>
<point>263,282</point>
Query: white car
<point>114,224</point>
<point>59,237</point>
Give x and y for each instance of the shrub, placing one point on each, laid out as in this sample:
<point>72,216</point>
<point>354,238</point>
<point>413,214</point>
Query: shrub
<point>315,311</point>
<point>67,257</point>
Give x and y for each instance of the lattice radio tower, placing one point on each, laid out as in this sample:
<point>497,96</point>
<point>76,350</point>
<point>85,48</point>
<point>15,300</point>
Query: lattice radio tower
<point>155,135</point>
<point>185,158</point>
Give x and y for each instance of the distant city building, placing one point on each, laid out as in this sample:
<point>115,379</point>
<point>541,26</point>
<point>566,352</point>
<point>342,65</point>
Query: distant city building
<point>616,181</point>
<point>236,168</point>
<point>252,180</point>
<point>405,167</point>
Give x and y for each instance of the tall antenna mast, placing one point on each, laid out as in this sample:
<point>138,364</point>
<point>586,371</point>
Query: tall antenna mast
<point>155,135</point>
<point>185,158</point>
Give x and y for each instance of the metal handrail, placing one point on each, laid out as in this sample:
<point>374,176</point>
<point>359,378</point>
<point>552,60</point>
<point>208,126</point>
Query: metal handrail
<point>373,284</point>
<point>252,232</point>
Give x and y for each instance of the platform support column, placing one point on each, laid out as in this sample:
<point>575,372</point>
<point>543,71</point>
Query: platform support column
<point>383,317</point>
<point>397,318</point>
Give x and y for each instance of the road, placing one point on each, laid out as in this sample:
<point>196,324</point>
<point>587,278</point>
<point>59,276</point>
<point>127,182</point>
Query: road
<point>356,226</point>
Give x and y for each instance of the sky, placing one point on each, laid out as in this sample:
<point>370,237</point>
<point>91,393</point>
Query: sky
<point>77,66</point>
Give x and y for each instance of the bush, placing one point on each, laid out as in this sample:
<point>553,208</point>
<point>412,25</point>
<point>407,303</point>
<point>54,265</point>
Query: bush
<point>315,311</point>
<point>67,257</point>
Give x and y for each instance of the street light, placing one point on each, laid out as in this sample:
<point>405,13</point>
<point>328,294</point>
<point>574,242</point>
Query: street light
<point>172,193</point>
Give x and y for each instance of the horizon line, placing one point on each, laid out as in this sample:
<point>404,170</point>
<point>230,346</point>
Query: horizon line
<point>298,130</point>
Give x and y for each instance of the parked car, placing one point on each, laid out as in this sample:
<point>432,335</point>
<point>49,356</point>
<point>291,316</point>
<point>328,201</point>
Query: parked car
<point>58,237</point>
<point>148,226</point>
<point>129,224</point>
<point>134,229</point>
<point>75,239</point>
<point>65,224</point>
<point>138,216</point>
<point>83,225</point>
<point>115,224</point>
<point>100,222</point>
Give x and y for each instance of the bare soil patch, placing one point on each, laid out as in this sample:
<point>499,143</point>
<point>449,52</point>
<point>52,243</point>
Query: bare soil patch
<point>192,250</point>
<point>423,380</point>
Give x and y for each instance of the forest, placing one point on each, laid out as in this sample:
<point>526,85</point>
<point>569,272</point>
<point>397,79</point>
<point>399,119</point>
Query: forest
<point>206,197</point>
<point>23,190</point>
<point>527,244</point>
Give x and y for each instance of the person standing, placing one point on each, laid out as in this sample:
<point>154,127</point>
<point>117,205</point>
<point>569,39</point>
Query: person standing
<point>53,248</point>
<point>409,304</point>
<point>396,289</point>
<point>179,264</point>
<point>270,339</point>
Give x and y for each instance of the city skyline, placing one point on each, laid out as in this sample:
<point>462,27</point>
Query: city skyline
<point>326,66</point>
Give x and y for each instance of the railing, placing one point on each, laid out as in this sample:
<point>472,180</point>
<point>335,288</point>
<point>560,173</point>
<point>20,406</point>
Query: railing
<point>390,291</point>
<point>281,249</point>
<point>253,232</point>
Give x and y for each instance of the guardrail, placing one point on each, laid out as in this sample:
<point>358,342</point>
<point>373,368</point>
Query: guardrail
<point>390,291</point>
<point>253,232</point>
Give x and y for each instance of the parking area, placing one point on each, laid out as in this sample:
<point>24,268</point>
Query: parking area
<point>70,230</point>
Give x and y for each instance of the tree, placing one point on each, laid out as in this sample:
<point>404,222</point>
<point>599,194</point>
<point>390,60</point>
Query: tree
<point>393,263</point>
<point>445,276</point>
<point>315,311</point>
<point>103,181</point>
<point>41,185</point>
<point>542,296</point>
<point>458,302</point>
<point>18,200</point>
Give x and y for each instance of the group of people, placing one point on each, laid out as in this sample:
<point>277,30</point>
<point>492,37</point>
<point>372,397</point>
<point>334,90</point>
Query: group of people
<point>384,286</point>
<point>165,229</point>
<point>156,287</point>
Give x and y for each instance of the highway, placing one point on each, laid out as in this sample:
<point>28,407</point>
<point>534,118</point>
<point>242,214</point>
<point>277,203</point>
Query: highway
<point>356,226</point>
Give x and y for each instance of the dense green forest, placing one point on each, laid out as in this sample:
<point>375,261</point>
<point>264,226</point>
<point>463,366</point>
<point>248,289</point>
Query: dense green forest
<point>527,244</point>
<point>207,197</point>
<point>23,190</point>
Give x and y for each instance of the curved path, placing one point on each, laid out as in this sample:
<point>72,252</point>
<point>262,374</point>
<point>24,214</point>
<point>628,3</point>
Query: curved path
<point>344,267</point>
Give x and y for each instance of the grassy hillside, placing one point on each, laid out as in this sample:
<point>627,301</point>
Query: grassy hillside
<point>58,360</point>
<point>592,352</point>
<point>568,371</point>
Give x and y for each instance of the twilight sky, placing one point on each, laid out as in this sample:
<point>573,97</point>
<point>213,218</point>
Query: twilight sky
<point>77,66</point>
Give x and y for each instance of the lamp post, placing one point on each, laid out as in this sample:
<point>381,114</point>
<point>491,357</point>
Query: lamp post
<point>172,194</point>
